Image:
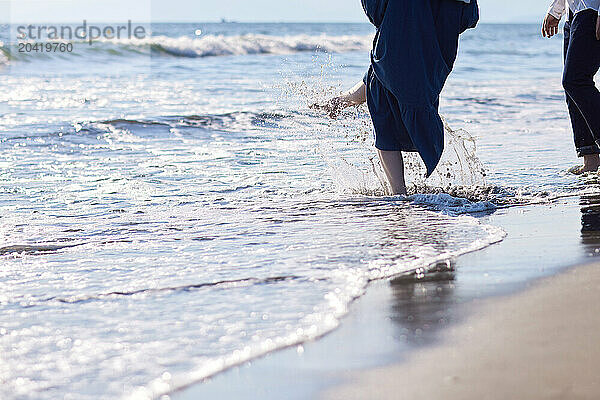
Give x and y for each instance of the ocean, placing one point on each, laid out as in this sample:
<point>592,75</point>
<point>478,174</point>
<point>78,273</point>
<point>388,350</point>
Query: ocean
<point>172,207</point>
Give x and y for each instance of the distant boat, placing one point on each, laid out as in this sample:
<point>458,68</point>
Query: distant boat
<point>226,21</point>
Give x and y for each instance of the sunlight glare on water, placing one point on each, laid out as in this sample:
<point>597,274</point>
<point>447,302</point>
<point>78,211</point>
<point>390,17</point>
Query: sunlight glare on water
<point>159,227</point>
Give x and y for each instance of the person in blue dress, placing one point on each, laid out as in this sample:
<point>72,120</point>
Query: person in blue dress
<point>413,53</point>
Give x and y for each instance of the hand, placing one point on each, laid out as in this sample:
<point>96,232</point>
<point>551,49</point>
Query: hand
<point>598,28</point>
<point>550,26</point>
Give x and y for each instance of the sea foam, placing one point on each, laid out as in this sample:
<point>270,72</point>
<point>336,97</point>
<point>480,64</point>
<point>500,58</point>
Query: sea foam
<point>219,45</point>
<point>3,54</point>
<point>212,46</point>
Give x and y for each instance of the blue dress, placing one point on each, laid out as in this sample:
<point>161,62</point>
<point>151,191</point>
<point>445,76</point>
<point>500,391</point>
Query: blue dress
<point>413,53</point>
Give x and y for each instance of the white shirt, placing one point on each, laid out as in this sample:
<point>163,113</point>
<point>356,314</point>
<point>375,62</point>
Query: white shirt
<point>557,9</point>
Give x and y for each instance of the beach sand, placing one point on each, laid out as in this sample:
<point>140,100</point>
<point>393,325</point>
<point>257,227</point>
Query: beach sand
<point>540,344</point>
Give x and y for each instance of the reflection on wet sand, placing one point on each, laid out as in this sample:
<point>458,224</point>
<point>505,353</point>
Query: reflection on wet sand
<point>423,303</point>
<point>590,223</point>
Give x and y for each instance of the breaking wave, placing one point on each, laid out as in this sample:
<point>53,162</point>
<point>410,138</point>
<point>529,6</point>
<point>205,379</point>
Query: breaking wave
<point>219,45</point>
<point>208,46</point>
<point>3,54</point>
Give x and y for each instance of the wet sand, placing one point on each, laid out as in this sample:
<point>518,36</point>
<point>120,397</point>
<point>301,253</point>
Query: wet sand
<point>540,344</point>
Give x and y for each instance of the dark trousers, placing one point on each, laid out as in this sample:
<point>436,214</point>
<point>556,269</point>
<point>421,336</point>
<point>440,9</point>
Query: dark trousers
<point>582,62</point>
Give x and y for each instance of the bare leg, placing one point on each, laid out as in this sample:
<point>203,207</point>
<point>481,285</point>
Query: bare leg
<point>393,166</point>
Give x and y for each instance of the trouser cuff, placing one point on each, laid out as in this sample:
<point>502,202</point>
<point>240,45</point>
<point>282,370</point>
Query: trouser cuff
<point>588,150</point>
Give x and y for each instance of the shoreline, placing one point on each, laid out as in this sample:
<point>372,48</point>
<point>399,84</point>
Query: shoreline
<point>539,344</point>
<point>397,319</point>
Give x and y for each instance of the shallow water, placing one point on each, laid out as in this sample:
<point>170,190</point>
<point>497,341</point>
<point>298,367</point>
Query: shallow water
<point>173,208</point>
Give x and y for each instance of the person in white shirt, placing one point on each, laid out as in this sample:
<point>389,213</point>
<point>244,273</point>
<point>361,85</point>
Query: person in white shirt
<point>582,62</point>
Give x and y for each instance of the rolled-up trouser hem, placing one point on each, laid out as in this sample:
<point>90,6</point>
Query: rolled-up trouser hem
<point>588,150</point>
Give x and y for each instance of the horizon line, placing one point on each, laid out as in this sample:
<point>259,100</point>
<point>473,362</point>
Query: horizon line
<point>227,21</point>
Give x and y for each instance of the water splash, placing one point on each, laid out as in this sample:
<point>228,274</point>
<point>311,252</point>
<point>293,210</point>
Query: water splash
<point>460,172</point>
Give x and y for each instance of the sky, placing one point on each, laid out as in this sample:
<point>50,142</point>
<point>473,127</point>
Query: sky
<point>35,11</point>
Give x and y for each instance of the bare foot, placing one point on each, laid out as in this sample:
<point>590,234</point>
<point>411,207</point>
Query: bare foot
<point>581,169</point>
<point>332,107</point>
<point>577,170</point>
<point>590,164</point>
<point>354,97</point>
